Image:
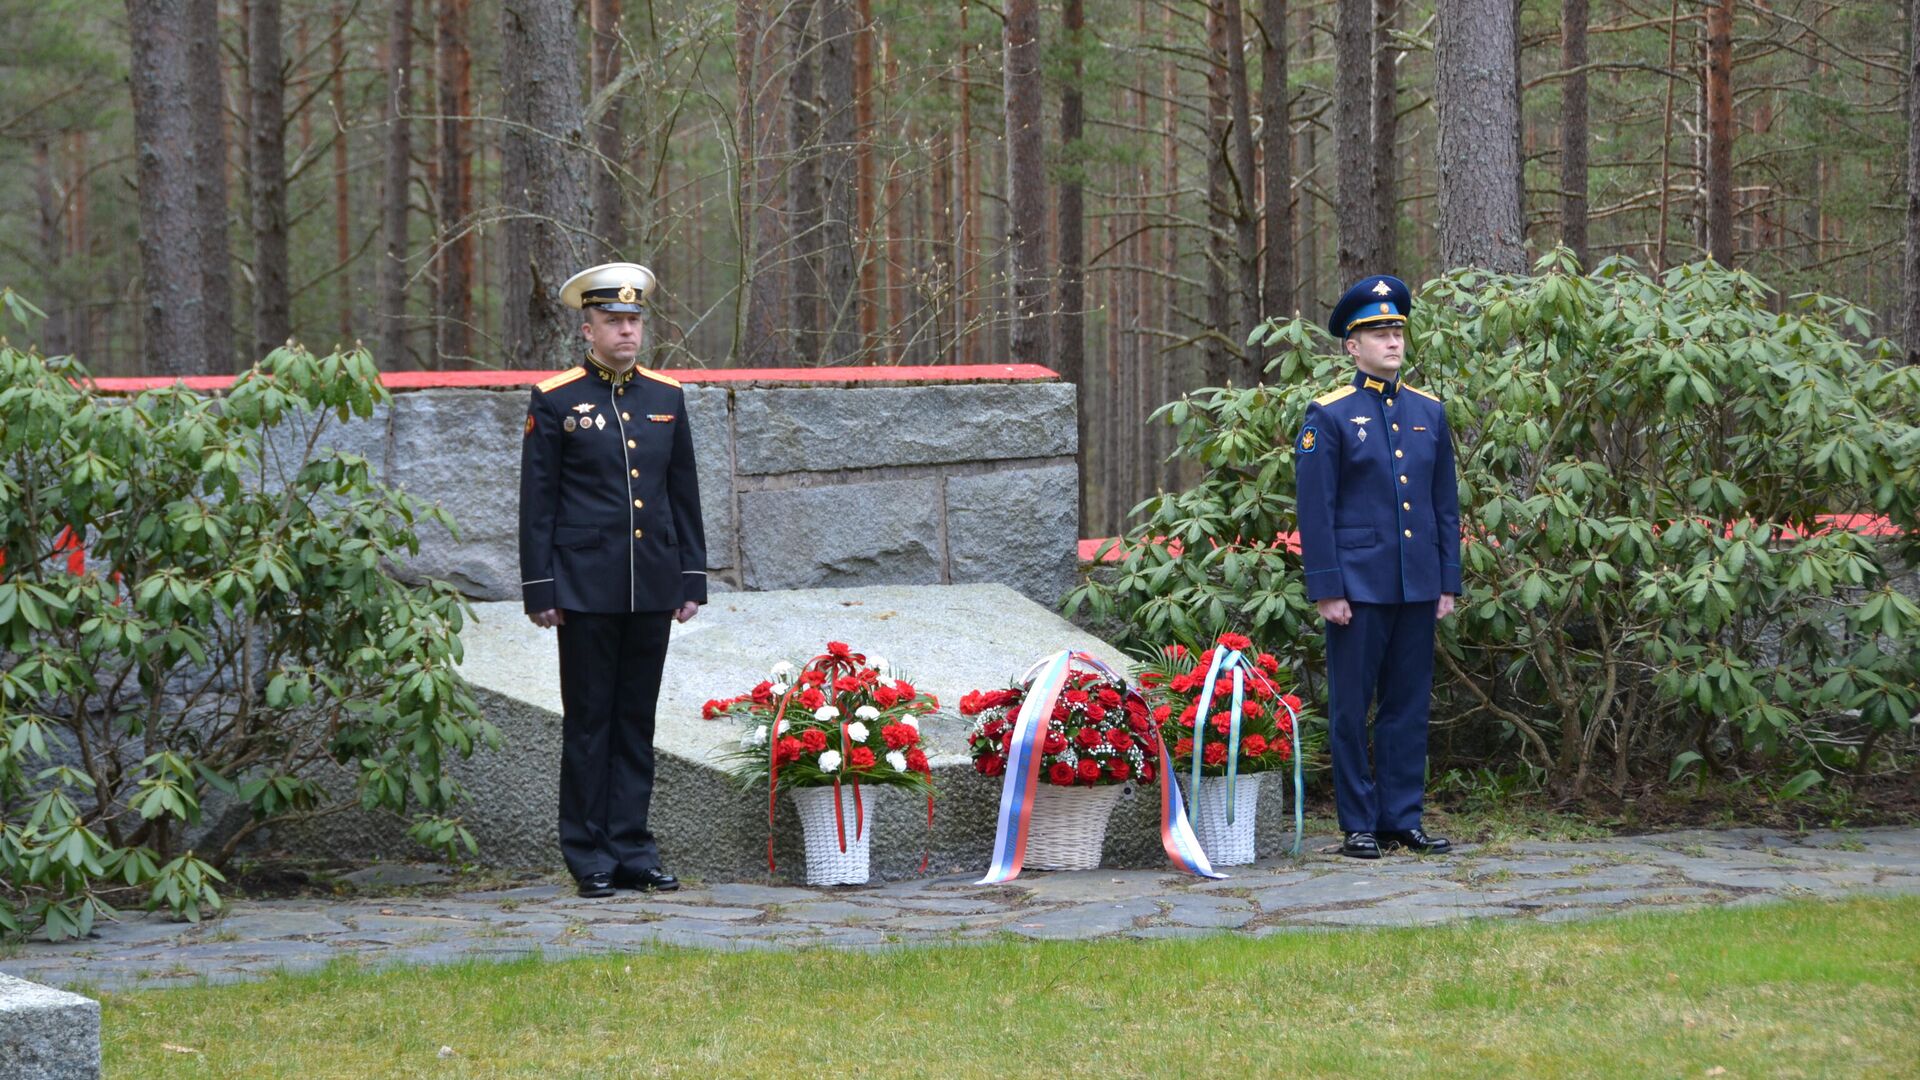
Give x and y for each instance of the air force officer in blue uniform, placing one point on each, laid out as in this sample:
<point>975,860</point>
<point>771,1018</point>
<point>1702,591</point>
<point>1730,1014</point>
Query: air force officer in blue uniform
<point>1380,538</point>
<point>612,552</point>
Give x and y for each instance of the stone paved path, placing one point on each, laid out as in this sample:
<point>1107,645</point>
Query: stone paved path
<point>1550,882</point>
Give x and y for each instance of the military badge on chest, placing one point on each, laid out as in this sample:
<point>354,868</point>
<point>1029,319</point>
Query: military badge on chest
<point>1360,422</point>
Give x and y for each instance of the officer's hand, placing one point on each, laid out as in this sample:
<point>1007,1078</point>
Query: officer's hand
<point>687,611</point>
<point>1336,611</point>
<point>1446,606</point>
<point>548,619</point>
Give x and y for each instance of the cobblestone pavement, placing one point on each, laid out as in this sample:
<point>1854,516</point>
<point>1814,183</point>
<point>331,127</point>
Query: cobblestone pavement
<point>1549,882</point>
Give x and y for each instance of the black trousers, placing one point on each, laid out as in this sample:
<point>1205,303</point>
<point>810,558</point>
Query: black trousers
<point>609,683</point>
<point>1386,655</point>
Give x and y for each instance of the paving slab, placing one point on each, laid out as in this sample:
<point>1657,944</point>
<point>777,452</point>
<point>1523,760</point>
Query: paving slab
<point>1083,920</point>
<point>1548,882</point>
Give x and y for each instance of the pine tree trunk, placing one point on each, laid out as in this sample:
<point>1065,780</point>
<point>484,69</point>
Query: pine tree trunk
<point>342,205</point>
<point>55,340</point>
<point>1353,139</point>
<point>1218,248</point>
<point>394,192</point>
<point>1276,137</point>
<point>608,136</point>
<point>758,58</point>
<point>272,301</point>
<point>453,306</point>
<point>1071,339</point>
<point>839,173</point>
<point>1479,163</point>
<point>871,301</point>
<point>1910,325</point>
<point>1719,90</point>
<point>966,194</point>
<point>803,182</point>
<point>1246,218</point>
<point>1026,183</point>
<point>1307,276</point>
<point>1573,129</point>
<point>168,168</point>
<point>546,234</point>
<point>209,120</point>
<point>1386,138</point>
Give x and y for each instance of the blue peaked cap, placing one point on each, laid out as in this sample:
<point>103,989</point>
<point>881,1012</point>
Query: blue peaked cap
<point>1379,300</point>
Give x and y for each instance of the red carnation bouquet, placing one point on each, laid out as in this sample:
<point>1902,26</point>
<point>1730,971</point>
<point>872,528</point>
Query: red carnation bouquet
<point>1101,732</point>
<point>847,717</point>
<point>1176,678</point>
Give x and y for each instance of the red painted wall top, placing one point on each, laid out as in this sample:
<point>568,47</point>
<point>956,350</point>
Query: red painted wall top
<point>822,376</point>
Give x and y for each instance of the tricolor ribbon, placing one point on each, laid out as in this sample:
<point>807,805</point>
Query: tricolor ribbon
<point>1236,663</point>
<point>1045,681</point>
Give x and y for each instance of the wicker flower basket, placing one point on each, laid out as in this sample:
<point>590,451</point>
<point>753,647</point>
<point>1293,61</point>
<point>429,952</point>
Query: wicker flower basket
<point>1225,845</point>
<point>826,863</point>
<point>1069,826</point>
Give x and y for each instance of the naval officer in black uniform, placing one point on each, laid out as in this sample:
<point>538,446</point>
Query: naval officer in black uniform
<point>612,553</point>
<point>1379,517</point>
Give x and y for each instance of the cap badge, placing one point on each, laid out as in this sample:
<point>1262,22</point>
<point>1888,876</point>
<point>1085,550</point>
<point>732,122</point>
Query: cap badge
<point>1381,288</point>
<point>627,294</point>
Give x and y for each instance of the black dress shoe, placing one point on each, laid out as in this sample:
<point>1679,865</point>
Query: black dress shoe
<point>1360,845</point>
<point>1416,839</point>
<point>652,879</point>
<point>600,884</point>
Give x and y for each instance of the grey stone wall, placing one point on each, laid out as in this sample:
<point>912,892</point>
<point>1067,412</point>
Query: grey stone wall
<point>800,486</point>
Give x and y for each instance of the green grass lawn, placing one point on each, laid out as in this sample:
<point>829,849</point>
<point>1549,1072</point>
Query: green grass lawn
<point>1804,989</point>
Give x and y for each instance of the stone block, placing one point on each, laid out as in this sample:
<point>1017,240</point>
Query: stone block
<point>1019,527</point>
<point>708,410</point>
<point>297,436</point>
<point>47,1034</point>
<point>789,430</point>
<point>461,449</point>
<point>884,533</point>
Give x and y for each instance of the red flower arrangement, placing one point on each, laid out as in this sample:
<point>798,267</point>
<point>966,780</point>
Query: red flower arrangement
<point>1176,678</point>
<point>848,718</point>
<point>1100,732</point>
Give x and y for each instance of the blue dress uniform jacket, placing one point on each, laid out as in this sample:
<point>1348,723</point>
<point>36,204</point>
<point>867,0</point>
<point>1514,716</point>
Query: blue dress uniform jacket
<point>1378,503</point>
<point>609,502</point>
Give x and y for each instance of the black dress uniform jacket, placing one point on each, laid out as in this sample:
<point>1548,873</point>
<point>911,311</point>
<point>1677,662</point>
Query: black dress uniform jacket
<point>609,503</point>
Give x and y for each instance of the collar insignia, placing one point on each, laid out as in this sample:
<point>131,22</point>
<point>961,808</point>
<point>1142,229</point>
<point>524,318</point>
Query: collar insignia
<point>1375,384</point>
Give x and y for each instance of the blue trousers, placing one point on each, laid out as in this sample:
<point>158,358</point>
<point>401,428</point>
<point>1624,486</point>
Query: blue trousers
<point>1384,654</point>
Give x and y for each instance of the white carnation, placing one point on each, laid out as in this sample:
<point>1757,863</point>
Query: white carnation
<point>857,731</point>
<point>830,761</point>
<point>867,712</point>
<point>912,722</point>
<point>826,714</point>
<point>898,760</point>
<point>878,663</point>
<point>756,737</point>
<point>778,689</point>
<point>781,670</point>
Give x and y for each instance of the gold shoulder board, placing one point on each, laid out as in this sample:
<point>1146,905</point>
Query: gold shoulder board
<point>657,377</point>
<point>562,379</point>
<point>1419,391</point>
<point>1334,395</point>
